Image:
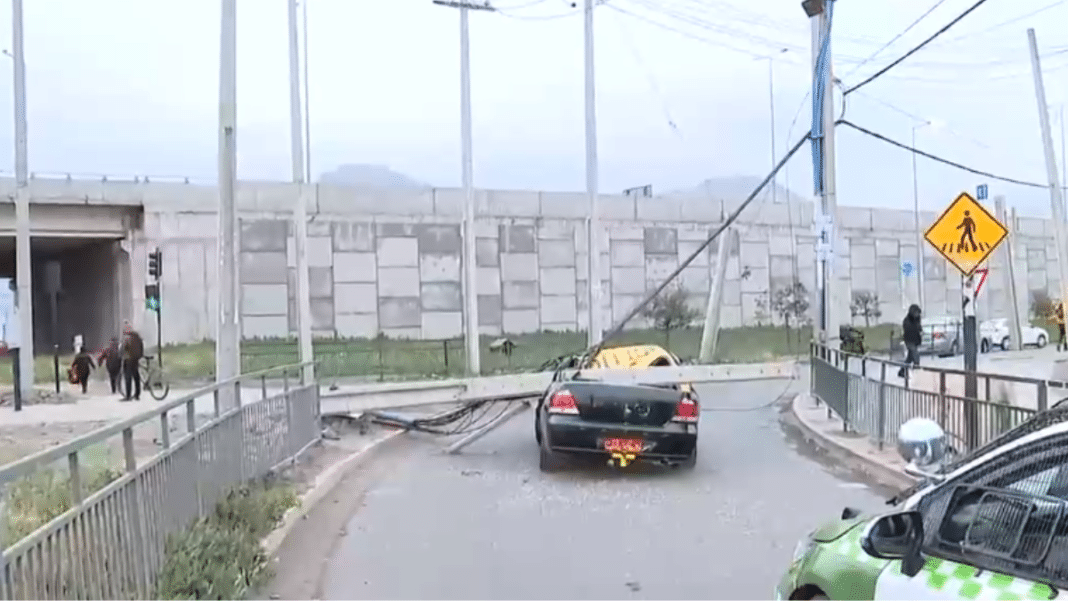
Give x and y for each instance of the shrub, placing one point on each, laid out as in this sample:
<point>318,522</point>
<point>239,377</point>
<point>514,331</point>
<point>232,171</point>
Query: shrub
<point>39,498</point>
<point>1042,305</point>
<point>220,556</point>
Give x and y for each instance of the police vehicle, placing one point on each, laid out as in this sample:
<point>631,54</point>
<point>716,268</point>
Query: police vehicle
<point>989,525</point>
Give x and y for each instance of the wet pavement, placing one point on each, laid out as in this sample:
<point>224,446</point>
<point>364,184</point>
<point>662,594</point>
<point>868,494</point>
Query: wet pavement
<point>488,524</point>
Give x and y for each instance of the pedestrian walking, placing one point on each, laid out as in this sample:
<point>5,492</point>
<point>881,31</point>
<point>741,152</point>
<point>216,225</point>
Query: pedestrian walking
<point>80,369</point>
<point>133,350</point>
<point>1058,316</point>
<point>111,359</point>
<point>912,336</point>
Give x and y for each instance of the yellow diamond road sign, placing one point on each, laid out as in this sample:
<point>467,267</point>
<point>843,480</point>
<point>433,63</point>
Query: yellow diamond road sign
<point>966,234</point>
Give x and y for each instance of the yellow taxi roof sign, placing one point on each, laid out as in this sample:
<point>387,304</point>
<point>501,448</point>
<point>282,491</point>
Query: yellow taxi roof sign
<point>966,234</point>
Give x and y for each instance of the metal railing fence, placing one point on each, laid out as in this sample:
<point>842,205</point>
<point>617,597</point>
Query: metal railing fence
<point>110,543</point>
<point>869,397</point>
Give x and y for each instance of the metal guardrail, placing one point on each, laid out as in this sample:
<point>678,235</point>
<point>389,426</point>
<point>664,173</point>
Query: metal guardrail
<point>863,392</point>
<point>110,543</point>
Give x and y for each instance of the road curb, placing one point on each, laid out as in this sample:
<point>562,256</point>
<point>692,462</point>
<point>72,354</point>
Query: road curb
<point>883,473</point>
<point>325,483</point>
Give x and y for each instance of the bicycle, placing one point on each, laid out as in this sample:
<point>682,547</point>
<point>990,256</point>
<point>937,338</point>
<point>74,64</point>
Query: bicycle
<point>153,379</point>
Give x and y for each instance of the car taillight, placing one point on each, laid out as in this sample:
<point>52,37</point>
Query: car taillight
<point>686,411</point>
<point>563,402</point>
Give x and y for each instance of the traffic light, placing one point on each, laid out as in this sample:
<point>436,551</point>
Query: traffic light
<point>152,300</point>
<point>155,263</point>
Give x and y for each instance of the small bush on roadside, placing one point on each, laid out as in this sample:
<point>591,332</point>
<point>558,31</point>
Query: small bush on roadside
<point>220,556</point>
<point>40,498</point>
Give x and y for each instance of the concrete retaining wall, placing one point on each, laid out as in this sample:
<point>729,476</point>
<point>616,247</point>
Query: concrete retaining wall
<point>390,261</point>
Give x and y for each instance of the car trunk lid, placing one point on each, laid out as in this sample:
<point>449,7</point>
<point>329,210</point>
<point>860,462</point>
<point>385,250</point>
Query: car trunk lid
<point>626,404</point>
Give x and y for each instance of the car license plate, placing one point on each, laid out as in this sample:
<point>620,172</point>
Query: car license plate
<point>624,445</point>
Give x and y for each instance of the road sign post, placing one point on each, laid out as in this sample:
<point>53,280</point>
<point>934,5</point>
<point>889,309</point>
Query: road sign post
<point>966,234</point>
<point>971,359</point>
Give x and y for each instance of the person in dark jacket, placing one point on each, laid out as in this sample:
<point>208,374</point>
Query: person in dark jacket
<point>912,336</point>
<point>111,358</point>
<point>133,350</point>
<point>80,369</point>
<point>1058,316</point>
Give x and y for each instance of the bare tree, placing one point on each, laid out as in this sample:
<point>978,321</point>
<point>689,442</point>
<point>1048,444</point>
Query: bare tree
<point>762,311</point>
<point>865,304</point>
<point>671,310</point>
<point>790,303</point>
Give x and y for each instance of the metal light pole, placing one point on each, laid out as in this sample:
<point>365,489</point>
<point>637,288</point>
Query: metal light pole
<point>307,100</point>
<point>916,215</point>
<point>593,279</point>
<point>470,270</point>
<point>771,103</point>
<point>300,216</point>
<point>23,259</point>
<point>228,340</point>
<point>1056,200</point>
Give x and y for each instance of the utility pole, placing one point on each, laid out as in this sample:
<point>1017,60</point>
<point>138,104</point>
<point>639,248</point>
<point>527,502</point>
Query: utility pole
<point>300,216</point>
<point>228,341</point>
<point>307,100</point>
<point>23,259</point>
<point>593,279</point>
<point>710,334</point>
<point>818,12</point>
<point>471,336</point>
<point>920,278</point>
<point>1056,200</point>
<point>1009,256</point>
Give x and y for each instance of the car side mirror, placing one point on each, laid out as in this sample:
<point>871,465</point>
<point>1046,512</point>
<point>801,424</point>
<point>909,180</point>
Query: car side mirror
<point>896,536</point>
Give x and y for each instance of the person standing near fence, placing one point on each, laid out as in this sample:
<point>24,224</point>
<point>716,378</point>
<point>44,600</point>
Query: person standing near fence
<point>111,359</point>
<point>133,349</point>
<point>912,336</point>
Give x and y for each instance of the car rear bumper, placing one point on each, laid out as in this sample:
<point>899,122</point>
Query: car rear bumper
<point>571,434</point>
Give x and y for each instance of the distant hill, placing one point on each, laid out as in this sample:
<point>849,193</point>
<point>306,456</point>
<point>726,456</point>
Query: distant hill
<point>371,176</point>
<point>734,188</point>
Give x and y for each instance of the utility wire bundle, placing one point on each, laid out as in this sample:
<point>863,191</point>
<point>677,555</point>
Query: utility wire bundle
<point>465,419</point>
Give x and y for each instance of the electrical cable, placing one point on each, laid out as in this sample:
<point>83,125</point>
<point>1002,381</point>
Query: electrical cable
<point>895,38</point>
<point>974,34</point>
<point>628,39</point>
<point>523,5</point>
<point>541,17</point>
<point>618,328</point>
<point>917,48</point>
<point>919,119</point>
<point>939,159</point>
<point>682,32</point>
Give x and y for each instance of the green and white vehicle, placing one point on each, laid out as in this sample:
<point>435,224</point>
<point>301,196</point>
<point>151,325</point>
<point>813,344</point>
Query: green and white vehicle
<point>990,525</point>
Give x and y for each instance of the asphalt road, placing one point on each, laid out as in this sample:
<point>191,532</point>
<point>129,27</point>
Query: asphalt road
<point>488,524</point>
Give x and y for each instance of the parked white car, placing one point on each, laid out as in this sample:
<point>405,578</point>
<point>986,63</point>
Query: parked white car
<point>995,333</point>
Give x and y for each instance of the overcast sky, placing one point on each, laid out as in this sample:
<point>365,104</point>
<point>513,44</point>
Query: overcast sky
<point>130,87</point>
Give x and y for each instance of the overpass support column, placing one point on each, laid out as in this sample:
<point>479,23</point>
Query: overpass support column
<point>23,262</point>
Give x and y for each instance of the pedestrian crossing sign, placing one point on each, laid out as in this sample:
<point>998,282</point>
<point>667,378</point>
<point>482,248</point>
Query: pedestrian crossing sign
<point>966,234</point>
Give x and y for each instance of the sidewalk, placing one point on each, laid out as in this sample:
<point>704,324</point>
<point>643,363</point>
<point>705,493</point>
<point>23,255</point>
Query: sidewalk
<point>854,449</point>
<point>109,408</point>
